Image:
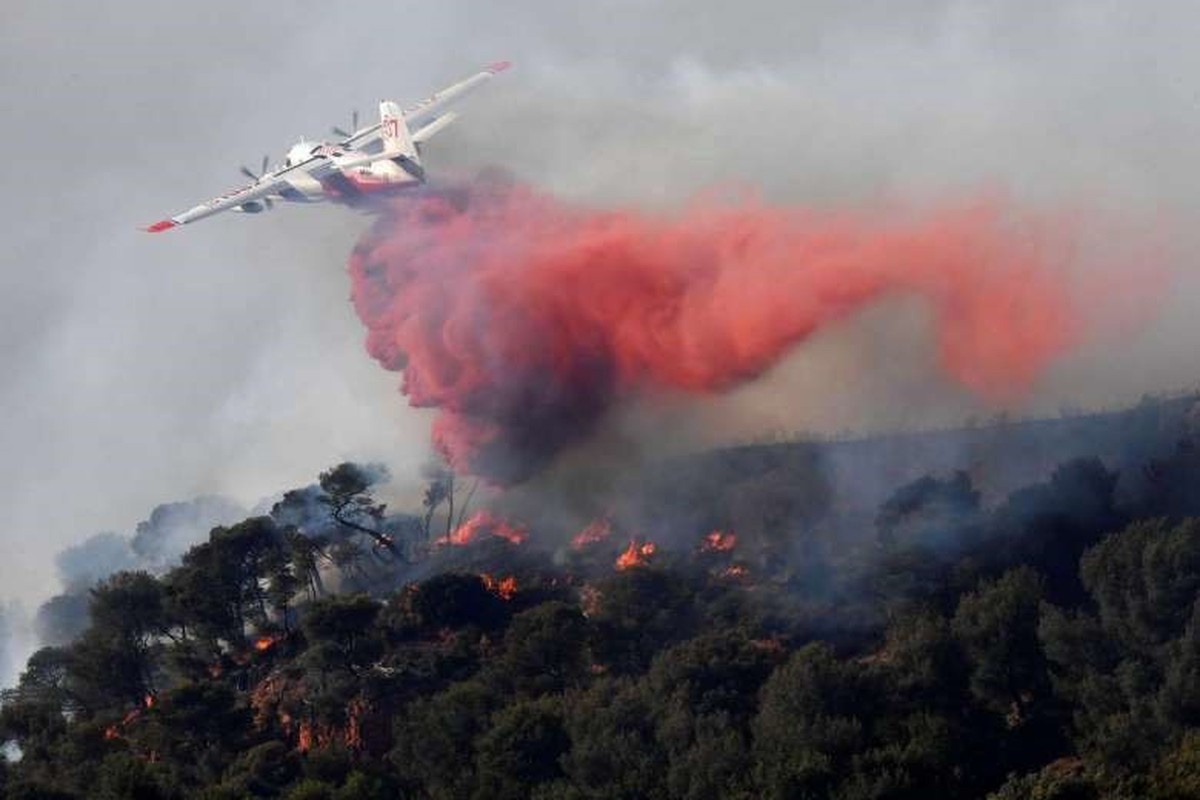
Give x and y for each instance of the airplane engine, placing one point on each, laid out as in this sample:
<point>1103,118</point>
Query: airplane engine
<point>253,207</point>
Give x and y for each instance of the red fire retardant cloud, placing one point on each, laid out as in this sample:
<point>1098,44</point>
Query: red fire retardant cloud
<point>523,318</point>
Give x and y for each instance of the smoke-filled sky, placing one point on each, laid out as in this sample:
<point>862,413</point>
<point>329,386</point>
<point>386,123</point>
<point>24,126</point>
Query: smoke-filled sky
<point>225,358</point>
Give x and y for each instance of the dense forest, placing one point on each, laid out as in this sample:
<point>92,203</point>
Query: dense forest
<point>1040,644</point>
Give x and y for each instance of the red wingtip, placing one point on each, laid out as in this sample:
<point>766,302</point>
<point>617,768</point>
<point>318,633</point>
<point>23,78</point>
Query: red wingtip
<point>162,225</point>
<point>498,66</point>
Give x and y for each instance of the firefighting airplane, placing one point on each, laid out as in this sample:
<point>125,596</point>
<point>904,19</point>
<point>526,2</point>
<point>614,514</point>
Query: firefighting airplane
<point>378,159</point>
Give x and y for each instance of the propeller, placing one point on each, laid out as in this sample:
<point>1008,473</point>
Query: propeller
<point>353,126</point>
<point>261,171</point>
<point>266,201</point>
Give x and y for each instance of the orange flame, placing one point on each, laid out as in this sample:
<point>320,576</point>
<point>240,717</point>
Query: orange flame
<point>504,588</point>
<point>264,643</point>
<point>114,731</point>
<point>635,555</point>
<point>718,542</point>
<point>734,572</point>
<point>513,534</point>
<point>482,522</point>
<point>310,734</point>
<point>596,531</point>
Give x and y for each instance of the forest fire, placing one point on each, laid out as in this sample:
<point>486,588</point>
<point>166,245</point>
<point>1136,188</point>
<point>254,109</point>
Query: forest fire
<point>304,737</point>
<point>311,734</point>
<point>718,542</point>
<point>483,523</point>
<point>504,588</point>
<point>635,555</point>
<point>596,531</point>
<point>505,623</point>
<point>264,643</point>
<point>735,572</point>
<point>114,731</point>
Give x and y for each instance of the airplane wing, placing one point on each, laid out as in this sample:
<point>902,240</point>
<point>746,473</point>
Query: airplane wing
<point>362,137</point>
<point>429,108</point>
<point>320,165</point>
<point>422,117</point>
<point>272,183</point>
<point>260,189</point>
<point>422,135</point>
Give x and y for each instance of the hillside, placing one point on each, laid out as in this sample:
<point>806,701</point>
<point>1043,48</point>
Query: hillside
<point>1006,611</point>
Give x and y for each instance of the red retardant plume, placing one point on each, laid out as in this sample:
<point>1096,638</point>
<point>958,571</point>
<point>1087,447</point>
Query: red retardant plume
<point>523,318</point>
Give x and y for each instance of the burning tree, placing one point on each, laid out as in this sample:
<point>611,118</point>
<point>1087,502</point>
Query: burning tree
<point>483,523</point>
<point>596,531</point>
<point>505,588</point>
<point>718,542</point>
<point>635,555</point>
<point>441,489</point>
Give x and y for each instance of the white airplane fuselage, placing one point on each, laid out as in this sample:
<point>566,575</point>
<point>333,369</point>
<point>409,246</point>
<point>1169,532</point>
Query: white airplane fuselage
<point>381,158</point>
<point>347,185</point>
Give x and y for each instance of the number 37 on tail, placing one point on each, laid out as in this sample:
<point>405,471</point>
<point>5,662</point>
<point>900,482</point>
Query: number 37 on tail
<point>381,158</point>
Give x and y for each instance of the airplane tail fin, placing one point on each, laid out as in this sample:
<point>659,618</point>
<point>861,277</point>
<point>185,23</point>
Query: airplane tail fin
<point>397,138</point>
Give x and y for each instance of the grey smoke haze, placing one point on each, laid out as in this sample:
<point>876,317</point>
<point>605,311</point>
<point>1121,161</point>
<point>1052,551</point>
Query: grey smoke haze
<point>156,544</point>
<point>82,565</point>
<point>223,358</point>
